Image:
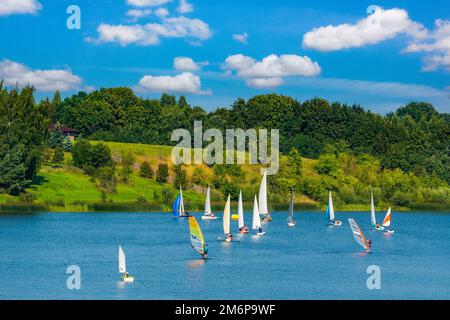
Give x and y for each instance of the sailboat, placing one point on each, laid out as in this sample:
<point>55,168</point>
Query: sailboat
<point>290,220</point>
<point>372,214</point>
<point>387,222</point>
<point>208,215</point>
<point>124,276</point>
<point>242,227</point>
<point>178,206</point>
<point>262,199</point>
<point>359,236</point>
<point>330,212</point>
<point>196,236</point>
<point>226,221</point>
<point>256,225</point>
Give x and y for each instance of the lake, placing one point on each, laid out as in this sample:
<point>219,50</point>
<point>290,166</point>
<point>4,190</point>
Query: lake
<point>309,261</point>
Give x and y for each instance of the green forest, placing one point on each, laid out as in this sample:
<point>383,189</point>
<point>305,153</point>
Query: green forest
<point>122,153</point>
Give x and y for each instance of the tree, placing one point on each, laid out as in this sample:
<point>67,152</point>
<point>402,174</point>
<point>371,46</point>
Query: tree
<point>58,156</point>
<point>56,138</point>
<point>107,179</point>
<point>81,153</point>
<point>146,170</point>
<point>67,144</point>
<point>127,166</point>
<point>180,177</point>
<point>23,130</point>
<point>168,100</point>
<point>182,103</point>
<point>295,160</point>
<point>162,173</point>
<point>199,177</point>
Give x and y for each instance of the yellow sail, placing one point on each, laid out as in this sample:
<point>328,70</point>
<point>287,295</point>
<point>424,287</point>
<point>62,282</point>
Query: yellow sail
<point>197,241</point>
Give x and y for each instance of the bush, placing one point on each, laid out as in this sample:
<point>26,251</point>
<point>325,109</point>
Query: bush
<point>180,177</point>
<point>146,170</point>
<point>162,174</point>
<point>58,156</point>
<point>127,166</point>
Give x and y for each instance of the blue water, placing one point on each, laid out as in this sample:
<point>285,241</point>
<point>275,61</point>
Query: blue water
<point>310,261</point>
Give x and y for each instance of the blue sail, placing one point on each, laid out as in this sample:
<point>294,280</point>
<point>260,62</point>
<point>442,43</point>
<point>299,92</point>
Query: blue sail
<point>176,205</point>
<point>327,212</point>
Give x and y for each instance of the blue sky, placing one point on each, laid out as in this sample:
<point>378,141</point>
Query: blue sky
<point>234,49</point>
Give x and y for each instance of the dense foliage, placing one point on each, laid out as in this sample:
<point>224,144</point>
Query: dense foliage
<point>23,132</point>
<point>414,139</point>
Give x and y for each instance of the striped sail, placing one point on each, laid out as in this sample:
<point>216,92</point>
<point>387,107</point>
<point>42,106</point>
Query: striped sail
<point>197,240</point>
<point>357,234</point>
<point>387,218</point>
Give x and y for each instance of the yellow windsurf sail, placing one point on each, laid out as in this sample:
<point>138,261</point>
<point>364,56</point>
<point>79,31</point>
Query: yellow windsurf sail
<point>197,241</point>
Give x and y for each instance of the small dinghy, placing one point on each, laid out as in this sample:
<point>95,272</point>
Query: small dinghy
<point>208,214</point>
<point>373,218</point>
<point>262,200</point>
<point>178,206</point>
<point>256,225</point>
<point>290,220</point>
<point>124,276</point>
<point>329,212</point>
<point>226,221</point>
<point>387,222</point>
<point>243,229</point>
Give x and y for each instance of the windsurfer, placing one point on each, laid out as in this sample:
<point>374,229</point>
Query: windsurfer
<point>368,244</point>
<point>205,251</point>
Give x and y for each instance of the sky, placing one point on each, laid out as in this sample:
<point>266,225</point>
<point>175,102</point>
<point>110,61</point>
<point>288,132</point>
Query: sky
<point>378,54</point>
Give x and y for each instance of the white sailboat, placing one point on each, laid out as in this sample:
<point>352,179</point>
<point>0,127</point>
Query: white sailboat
<point>262,199</point>
<point>241,225</point>
<point>208,215</point>
<point>333,220</point>
<point>226,220</point>
<point>124,276</point>
<point>387,222</point>
<point>290,220</point>
<point>372,214</point>
<point>256,225</point>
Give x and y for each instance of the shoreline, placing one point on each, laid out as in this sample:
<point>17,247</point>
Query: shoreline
<point>152,208</point>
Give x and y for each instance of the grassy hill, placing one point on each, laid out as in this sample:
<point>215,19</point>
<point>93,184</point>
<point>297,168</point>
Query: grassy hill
<point>66,188</point>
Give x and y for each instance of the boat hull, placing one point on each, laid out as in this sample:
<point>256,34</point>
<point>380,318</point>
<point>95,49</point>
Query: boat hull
<point>208,217</point>
<point>127,279</point>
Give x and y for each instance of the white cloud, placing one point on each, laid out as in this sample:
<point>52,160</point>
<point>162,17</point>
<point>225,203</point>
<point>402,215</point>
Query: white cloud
<point>162,12</point>
<point>437,47</point>
<point>147,3</point>
<point>379,26</point>
<point>264,82</point>
<point>43,80</point>
<point>269,71</point>
<point>185,7</point>
<point>187,64</point>
<point>8,7</point>
<point>185,82</point>
<point>151,33</point>
<point>241,37</point>
<point>136,14</point>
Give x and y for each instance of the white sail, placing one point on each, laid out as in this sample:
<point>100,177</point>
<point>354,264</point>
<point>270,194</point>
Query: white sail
<point>263,195</point>
<point>256,218</point>
<point>208,202</point>
<point>240,211</point>
<point>291,208</point>
<point>372,210</point>
<point>330,206</point>
<point>226,217</point>
<point>181,208</point>
<point>122,267</point>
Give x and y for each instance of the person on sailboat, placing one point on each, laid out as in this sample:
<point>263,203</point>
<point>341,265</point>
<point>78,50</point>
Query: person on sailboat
<point>260,230</point>
<point>267,217</point>
<point>244,229</point>
<point>229,237</point>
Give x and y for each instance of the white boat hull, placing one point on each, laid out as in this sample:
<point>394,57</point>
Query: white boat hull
<point>128,279</point>
<point>207,217</point>
<point>261,233</point>
<point>291,224</point>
